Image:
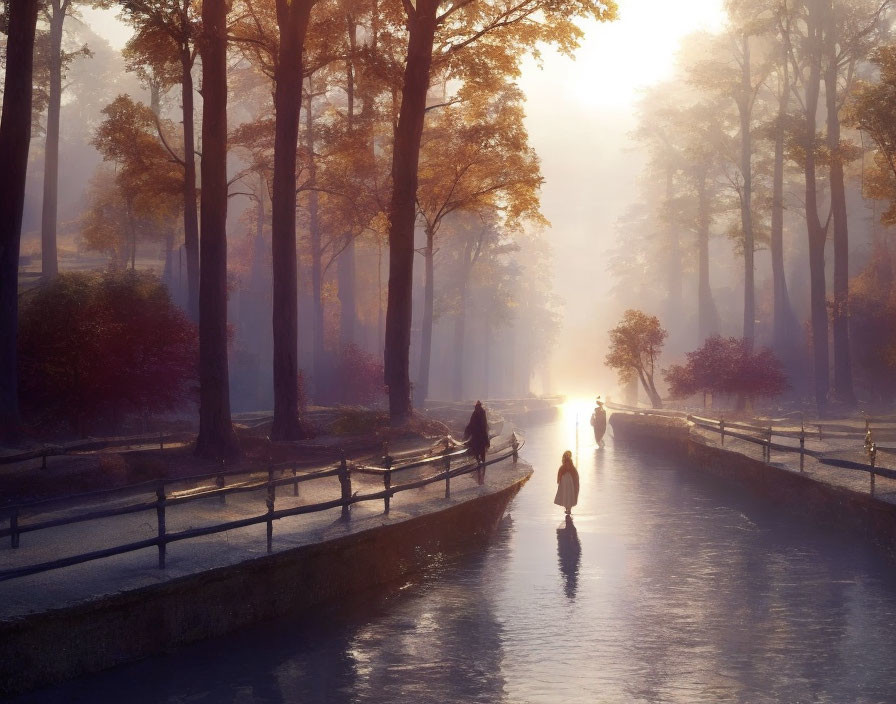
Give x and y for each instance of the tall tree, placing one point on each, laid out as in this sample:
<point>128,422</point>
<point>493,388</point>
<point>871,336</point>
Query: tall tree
<point>784,319</point>
<point>15,138</point>
<point>217,438</point>
<point>147,181</point>
<point>635,346</point>
<point>165,41</point>
<point>806,49</point>
<point>475,158</point>
<point>503,32</point>
<point>851,30</point>
<point>56,11</point>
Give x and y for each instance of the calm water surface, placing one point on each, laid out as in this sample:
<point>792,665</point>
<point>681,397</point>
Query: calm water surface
<point>667,587</point>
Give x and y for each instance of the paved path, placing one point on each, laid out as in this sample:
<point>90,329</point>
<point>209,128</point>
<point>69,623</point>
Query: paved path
<point>855,480</point>
<point>79,583</point>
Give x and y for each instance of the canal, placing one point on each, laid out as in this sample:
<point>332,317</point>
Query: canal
<point>667,587</point>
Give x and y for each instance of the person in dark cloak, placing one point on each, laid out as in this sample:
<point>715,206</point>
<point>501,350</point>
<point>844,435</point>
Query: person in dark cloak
<point>476,433</point>
<point>599,422</point>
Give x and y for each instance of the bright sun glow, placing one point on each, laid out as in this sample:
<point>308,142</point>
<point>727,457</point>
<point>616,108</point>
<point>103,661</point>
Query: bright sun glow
<point>617,59</point>
<point>576,419</point>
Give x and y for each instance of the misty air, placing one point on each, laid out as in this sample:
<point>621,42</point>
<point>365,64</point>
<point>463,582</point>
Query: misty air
<point>431,351</point>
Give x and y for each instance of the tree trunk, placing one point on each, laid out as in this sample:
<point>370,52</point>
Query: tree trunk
<point>403,208</point>
<point>843,389</point>
<point>460,338</point>
<point>318,355</point>
<point>422,389</point>
<point>746,202</point>
<point>345,273</point>
<point>486,354</point>
<point>673,254</point>
<point>48,252</point>
<point>707,314</point>
<point>191,216</point>
<point>817,234</point>
<point>650,388</point>
<point>168,272</point>
<point>292,20</point>
<point>345,264</point>
<point>784,319</point>
<point>217,439</point>
<point>380,313</point>
<point>15,138</point>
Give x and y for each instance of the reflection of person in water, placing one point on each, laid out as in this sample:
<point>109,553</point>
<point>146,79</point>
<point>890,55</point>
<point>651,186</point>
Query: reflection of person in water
<point>569,555</point>
<point>567,484</point>
<point>599,422</point>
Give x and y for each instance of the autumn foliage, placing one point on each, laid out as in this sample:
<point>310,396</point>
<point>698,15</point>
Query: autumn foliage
<point>727,365</point>
<point>94,349</point>
<point>872,305</point>
<point>635,346</point>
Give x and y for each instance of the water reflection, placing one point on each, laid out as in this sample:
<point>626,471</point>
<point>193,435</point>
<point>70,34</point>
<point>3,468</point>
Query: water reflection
<point>675,589</point>
<point>569,555</point>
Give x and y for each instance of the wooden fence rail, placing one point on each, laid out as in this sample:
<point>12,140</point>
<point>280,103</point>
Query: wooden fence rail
<point>762,435</point>
<point>88,444</point>
<point>343,471</point>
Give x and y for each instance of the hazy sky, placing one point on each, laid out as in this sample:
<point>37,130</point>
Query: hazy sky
<point>579,115</point>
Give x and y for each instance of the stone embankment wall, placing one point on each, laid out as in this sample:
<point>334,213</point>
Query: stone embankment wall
<point>800,494</point>
<point>47,647</point>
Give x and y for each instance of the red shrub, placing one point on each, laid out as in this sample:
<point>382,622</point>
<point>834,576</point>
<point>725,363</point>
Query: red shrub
<point>95,348</point>
<point>725,365</point>
<point>357,378</point>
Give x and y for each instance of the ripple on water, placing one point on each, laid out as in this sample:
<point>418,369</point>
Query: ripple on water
<point>671,587</point>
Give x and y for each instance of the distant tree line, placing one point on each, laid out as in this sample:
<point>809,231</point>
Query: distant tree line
<point>354,129</point>
<point>765,153</point>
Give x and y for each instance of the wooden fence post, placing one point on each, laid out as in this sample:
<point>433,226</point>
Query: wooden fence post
<point>160,516</point>
<point>768,445</point>
<point>515,443</point>
<point>161,441</point>
<point>722,430</point>
<point>447,453</point>
<point>387,479</point>
<point>295,484</point>
<point>345,484</point>
<point>802,446</point>
<point>272,490</point>
<point>14,528</point>
<point>219,483</point>
<point>871,449</point>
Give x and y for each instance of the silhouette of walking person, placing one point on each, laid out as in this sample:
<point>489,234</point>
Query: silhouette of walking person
<point>476,435</point>
<point>567,484</point>
<point>599,422</point>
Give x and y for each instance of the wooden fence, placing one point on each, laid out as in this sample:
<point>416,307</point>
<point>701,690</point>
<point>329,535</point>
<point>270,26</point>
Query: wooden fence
<point>763,435</point>
<point>280,475</point>
<point>89,444</point>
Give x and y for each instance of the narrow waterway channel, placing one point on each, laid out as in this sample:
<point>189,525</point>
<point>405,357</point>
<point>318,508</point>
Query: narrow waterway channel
<point>669,587</point>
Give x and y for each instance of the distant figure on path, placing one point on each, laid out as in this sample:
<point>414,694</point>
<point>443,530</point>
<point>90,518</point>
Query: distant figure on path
<point>599,422</point>
<point>567,484</point>
<point>476,433</point>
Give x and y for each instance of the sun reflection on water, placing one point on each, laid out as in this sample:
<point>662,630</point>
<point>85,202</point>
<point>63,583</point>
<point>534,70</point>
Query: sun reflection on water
<point>576,417</point>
